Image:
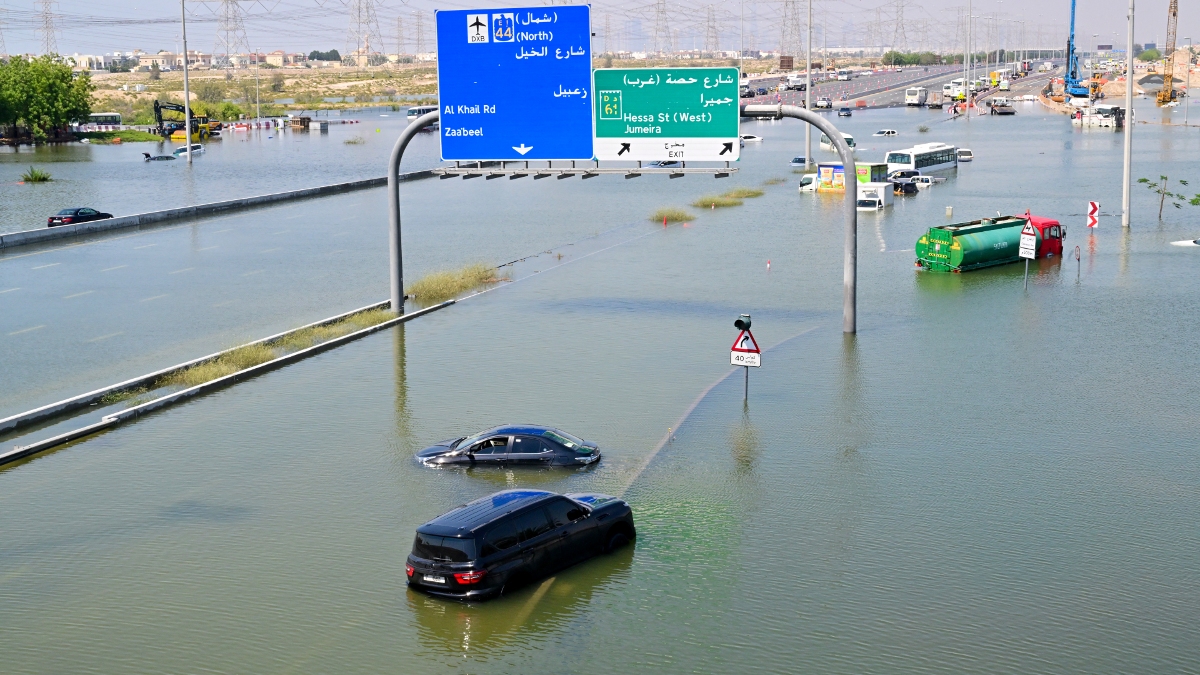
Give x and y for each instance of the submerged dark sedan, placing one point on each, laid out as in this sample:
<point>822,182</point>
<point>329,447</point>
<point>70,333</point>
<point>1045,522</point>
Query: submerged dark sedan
<point>527,445</point>
<point>76,215</point>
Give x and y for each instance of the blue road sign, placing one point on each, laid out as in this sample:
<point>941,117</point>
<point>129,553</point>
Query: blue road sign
<point>516,83</point>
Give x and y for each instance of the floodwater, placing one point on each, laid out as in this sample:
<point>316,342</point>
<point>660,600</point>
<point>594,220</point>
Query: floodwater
<point>115,178</point>
<point>984,479</point>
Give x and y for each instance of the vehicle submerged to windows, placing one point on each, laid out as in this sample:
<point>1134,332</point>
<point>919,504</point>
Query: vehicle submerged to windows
<point>504,541</point>
<point>524,445</point>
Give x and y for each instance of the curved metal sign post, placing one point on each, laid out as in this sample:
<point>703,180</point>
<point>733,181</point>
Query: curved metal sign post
<point>850,268</point>
<point>397,263</point>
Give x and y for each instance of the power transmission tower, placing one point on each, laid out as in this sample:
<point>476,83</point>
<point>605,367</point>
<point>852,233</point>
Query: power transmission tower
<point>662,28</point>
<point>420,47</point>
<point>48,30</point>
<point>399,35</point>
<point>3,49</point>
<point>231,33</point>
<point>790,41</point>
<point>364,29</point>
<point>712,35</point>
<point>899,37</point>
<point>607,32</point>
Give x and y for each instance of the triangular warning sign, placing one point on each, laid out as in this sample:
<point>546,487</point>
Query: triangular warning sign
<point>1028,229</point>
<point>745,343</point>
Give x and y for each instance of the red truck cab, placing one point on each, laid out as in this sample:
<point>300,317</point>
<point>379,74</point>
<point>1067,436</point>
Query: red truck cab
<point>1050,235</point>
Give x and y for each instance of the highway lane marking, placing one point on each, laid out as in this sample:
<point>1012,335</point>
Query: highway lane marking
<point>146,246</point>
<point>206,248</point>
<point>105,337</point>
<point>340,250</point>
<point>224,304</point>
<point>228,229</point>
<point>186,269</point>
<point>271,249</point>
<point>77,295</point>
<point>254,272</point>
<point>114,268</point>
<point>42,267</point>
<point>27,330</point>
<point>156,297</point>
<point>9,290</point>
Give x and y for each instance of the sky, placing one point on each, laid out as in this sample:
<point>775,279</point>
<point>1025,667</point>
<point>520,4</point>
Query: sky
<point>100,26</point>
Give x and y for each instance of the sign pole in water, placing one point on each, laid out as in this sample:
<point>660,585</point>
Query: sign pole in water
<point>745,352</point>
<point>515,84</point>
<point>1028,249</point>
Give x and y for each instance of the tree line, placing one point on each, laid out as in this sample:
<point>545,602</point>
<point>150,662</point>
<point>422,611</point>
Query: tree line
<point>40,97</point>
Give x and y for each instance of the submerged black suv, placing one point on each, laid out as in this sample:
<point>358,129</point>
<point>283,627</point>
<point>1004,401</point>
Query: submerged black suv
<point>498,543</point>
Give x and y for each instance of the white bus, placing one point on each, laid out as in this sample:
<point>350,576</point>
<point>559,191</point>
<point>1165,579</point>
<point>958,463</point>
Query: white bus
<point>924,158</point>
<point>844,74</point>
<point>916,96</point>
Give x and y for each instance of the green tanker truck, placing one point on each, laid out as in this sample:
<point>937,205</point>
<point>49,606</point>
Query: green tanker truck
<point>963,247</point>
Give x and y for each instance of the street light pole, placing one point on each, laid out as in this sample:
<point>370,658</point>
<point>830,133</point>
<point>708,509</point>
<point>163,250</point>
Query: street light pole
<point>187,94</point>
<point>808,85</point>
<point>1187,101</point>
<point>257,96</point>
<point>1128,173</point>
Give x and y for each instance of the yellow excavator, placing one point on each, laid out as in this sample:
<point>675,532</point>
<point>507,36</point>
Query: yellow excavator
<point>1167,94</point>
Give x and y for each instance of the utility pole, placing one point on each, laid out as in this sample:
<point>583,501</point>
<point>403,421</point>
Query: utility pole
<point>187,93</point>
<point>808,86</point>
<point>257,106</point>
<point>1128,172</point>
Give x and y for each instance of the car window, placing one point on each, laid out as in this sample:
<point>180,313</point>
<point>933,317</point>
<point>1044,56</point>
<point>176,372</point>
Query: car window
<point>446,549</point>
<point>531,524</point>
<point>86,212</point>
<point>491,446</point>
<point>529,445</point>
<point>563,511</point>
<point>501,537</point>
<point>563,439</point>
<point>67,212</point>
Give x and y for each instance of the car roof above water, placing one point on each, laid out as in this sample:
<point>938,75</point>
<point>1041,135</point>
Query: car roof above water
<point>465,519</point>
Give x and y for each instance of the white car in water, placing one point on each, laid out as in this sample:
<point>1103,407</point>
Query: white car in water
<point>751,138</point>
<point>808,183</point>
<point>886,132</point>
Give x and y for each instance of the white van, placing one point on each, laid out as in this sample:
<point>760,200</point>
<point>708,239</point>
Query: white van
<point>797,82</point>
<point>844,74</point>
<point>827,145</point>
<point>915,96</point>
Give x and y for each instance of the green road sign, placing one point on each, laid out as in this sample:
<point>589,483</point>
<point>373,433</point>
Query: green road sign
<point>667,114</point>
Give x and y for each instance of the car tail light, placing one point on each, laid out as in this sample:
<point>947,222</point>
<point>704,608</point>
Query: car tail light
<point>67,219</point>
<point>408,569</point>
<point>468,578</point>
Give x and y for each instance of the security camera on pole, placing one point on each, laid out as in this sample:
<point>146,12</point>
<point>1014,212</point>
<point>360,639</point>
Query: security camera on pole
<point>745,351</point>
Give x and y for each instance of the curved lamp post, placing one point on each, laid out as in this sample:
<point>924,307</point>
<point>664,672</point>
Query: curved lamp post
<point>393,176</point>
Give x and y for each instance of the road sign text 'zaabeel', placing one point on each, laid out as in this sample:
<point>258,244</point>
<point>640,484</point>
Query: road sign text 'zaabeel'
<point>515,83</point>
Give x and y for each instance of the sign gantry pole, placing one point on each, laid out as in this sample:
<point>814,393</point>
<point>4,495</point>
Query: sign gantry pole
<point>850,259</point>
<point>394,248</point>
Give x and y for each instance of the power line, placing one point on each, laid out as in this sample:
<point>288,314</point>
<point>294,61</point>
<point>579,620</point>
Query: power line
<point>364,27</point>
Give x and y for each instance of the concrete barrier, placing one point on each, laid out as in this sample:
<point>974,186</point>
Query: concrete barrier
<point>21,452</point>
<point>46,234</point>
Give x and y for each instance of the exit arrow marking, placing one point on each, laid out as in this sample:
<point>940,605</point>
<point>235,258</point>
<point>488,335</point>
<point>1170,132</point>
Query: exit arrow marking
<point>725,147</point>
<point>522,148</point>
<point>624,149</point>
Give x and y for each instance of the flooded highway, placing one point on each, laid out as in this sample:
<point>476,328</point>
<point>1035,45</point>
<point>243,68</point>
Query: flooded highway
<point>983,479</point>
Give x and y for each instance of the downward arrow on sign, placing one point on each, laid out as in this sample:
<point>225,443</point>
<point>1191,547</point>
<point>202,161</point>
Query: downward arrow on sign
<point>522,148</point>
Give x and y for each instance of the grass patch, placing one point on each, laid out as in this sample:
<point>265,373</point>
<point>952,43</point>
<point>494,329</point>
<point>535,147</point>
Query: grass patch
<point>303,339</point>
<point>226,364</point>
<point>126,136</point>
<point>923,129</point>
<point>671,215</point>
<point>775,181</point>
<point>716,201</point>
<point>354,140</point>
<point>439,286</point>
<point>743,193</point>
<point>35,175</point>
<point>121,396</point>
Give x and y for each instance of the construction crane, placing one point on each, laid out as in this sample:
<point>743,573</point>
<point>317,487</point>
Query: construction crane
<point>1168,89</point>
<point>1073,84</point>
